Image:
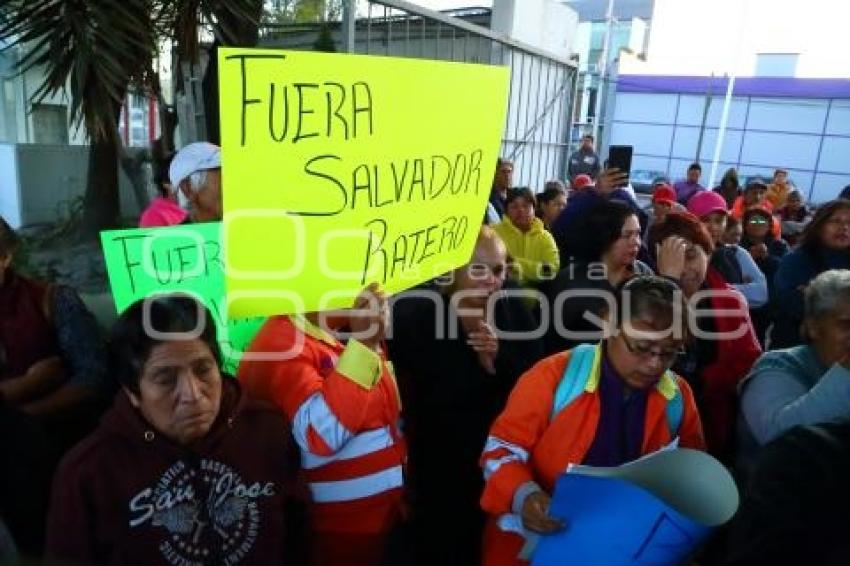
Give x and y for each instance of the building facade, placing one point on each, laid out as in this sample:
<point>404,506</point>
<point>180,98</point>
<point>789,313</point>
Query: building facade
<point>802,125</point>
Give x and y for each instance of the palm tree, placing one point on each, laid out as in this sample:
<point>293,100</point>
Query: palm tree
<point>96,50</point>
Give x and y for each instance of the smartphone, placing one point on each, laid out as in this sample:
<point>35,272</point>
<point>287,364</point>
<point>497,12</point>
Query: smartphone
<point>620,156</point>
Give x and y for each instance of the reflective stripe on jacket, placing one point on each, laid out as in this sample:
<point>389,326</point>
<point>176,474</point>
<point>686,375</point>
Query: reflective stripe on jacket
<point>344,407</point>
<point>528,443</point>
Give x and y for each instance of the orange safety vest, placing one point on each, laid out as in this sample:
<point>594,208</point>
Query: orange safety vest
<point>352,451</point>
<point>550,422</point>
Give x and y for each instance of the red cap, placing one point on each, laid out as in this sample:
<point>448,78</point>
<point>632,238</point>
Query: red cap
<point>664,193</point>
<point>582,181</point>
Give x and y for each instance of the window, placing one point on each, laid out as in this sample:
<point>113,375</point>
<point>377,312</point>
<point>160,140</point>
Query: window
<point>591,103</point>
<point>776,64</point>
<point>50,124</point>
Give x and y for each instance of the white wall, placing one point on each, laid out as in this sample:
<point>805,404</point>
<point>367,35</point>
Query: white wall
<point>544,24</point>
<point>10,208</point>
<point>19,89</point>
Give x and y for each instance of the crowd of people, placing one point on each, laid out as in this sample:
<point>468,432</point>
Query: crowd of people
<point>430,427</point>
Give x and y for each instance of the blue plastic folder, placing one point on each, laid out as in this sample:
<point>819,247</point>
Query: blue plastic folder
<point>655,510</point>
<point>611,521</point>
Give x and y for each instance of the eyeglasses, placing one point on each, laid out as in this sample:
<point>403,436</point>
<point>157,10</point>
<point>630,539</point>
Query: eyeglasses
<point>758,221</point>
<point>645,350</point>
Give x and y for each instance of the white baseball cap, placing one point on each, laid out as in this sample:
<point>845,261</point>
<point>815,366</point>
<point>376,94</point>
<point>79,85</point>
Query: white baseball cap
<point>197,156</point>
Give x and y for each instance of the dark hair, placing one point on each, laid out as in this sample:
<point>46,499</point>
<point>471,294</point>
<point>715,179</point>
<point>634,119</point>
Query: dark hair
<point>592,235</point>
<point>696,166</point>
<point>547,196</point>
<point>778,171</point>
<point>553,185</point>
<point>730,178</point>
<point>161,173</point>
<point>587,137</point>
<point>685,225</point>
<point>653,298</point>
<point>550,194</point>
<point>131,344</point>
<point>502,161</point>
<point>518,193</point>
<point>9,239</point>
<point>749,213</point>
<point>810,240</point>
<point>845,192</point>
<point>731,222</point>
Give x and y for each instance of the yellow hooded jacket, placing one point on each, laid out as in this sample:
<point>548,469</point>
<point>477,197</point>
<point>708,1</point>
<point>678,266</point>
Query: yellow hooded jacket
<point>530,251</point>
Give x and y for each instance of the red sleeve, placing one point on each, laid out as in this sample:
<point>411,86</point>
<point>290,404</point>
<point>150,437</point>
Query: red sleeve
<point>322,423</point>
<point>735,356</point>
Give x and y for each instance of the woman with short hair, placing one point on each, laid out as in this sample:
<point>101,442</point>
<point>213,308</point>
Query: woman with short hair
<point>183,468</point>
<point>803,385</point>
<point>600,404</point>
<point>457,354</point>
<point>606,246</point>
<point>551,202</point>
<point>530,246</point>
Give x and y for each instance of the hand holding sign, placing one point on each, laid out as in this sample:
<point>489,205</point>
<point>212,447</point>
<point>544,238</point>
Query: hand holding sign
<point>486,344</point>
<point>369,317</point>
<point>149,261</point>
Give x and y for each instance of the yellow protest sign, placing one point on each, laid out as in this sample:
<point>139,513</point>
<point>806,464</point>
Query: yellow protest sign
<point>339,170</point>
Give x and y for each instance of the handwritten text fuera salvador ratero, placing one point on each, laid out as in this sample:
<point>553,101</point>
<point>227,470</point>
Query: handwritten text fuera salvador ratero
<point>284,112</point>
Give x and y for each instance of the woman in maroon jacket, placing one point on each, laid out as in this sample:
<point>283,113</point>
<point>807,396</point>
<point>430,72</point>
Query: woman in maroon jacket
<point>183,469</point>
<point>725,344</point>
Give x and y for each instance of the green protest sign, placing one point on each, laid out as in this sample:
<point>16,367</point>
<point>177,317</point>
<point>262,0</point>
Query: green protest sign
<point>187,258</point>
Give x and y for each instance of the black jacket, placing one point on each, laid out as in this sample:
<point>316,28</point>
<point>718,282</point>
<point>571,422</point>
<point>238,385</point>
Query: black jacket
<point>448,404</point>
<point>570,313</point>
<point>584,162</point>
<point>797,505</point>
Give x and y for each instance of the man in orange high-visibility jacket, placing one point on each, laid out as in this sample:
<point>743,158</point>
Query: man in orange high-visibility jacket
<point>600,405</point>
<point>343,404</point>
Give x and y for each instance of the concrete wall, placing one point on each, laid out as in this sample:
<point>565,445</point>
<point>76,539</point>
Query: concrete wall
<point>38,183</point>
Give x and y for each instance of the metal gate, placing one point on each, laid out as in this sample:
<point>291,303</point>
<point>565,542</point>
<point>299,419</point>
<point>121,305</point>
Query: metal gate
<point>536,133</point>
